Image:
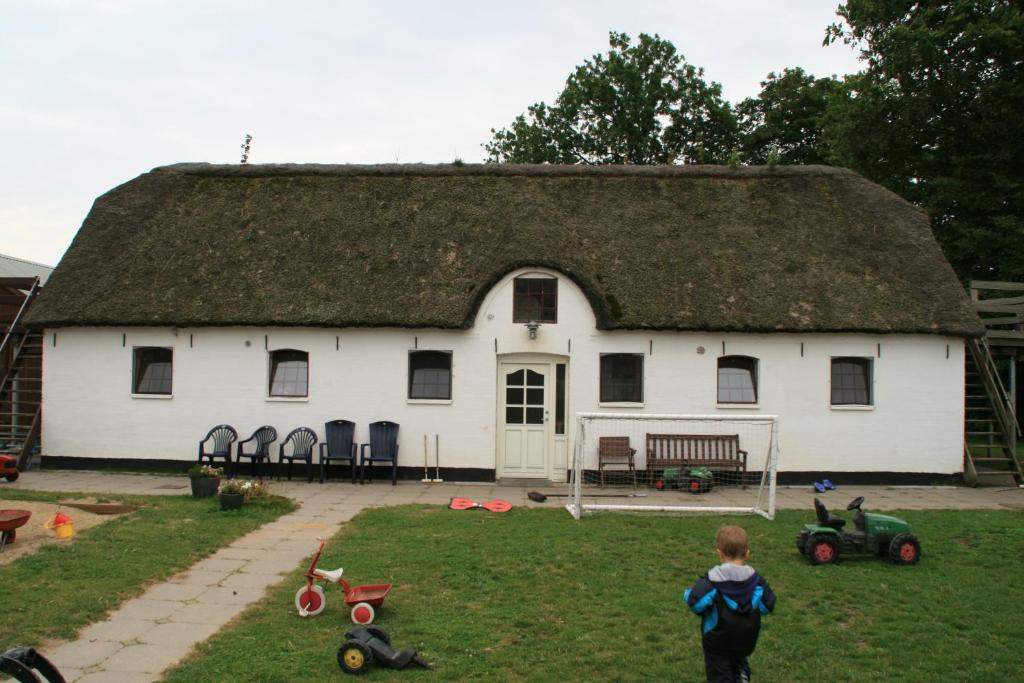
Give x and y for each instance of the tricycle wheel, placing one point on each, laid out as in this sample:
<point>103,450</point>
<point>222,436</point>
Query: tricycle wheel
<point>822,549</point>
<point>378,632</point>
<point>905,549</point>
<point>310,601</point>
<point>354,657</point>
<point>362,613</point>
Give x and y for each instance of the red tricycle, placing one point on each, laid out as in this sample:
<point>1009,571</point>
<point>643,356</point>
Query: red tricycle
<point>310,600</point>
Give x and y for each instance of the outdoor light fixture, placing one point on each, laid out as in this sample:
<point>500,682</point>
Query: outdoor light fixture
<point>533,326</point>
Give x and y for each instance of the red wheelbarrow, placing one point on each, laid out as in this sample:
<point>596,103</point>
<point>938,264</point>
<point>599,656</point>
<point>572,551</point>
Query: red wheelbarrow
<point>9,521</point>
<point>310,599</point>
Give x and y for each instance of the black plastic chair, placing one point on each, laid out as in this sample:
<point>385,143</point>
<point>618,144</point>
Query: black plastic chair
<point>339,444</point>
<point>261,440</point>
<point>222,436</point>
<point>383,448</point>
<point>302,440</point>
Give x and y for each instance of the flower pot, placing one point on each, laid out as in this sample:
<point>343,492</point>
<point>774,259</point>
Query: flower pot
<point>204,487</point>
<point>231,501</point>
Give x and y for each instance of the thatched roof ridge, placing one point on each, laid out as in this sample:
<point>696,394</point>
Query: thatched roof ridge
<point>796,249</point>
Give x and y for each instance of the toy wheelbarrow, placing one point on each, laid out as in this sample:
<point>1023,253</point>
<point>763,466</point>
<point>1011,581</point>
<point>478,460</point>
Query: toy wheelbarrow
<point>311,601</point>
<point>9,521</point>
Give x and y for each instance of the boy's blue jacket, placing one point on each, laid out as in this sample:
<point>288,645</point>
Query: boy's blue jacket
<point>730,600</point>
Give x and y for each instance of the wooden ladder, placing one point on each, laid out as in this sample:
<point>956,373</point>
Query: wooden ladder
<point>990,428</point>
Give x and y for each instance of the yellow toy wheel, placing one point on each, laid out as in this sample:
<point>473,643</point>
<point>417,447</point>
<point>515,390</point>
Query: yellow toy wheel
<point>354,657</point>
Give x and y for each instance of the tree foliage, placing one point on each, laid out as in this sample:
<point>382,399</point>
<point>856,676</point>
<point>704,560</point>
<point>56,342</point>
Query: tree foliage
<point>783,124</point>
<point>638,104</point>
<point>936,116</point>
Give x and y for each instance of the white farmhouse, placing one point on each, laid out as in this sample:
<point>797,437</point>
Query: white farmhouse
<point>489,304</point>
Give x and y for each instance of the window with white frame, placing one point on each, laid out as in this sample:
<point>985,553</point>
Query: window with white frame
<point>851,381</point>
<point>289,373</point>
<point>430,375</point>
<point>535,299</point>
<point>737,379</point>
<point>622,378</point>
<point>152,369</point>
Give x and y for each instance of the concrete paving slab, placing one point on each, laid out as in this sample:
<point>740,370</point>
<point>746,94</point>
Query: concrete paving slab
<point>143,609</point>
<point>111,677</point>
<point>179,635</point>
<point>203,613</point>
<point>82,654</point>
<point>116,630</point>
<point>144,659</point>
<point>199,578</point>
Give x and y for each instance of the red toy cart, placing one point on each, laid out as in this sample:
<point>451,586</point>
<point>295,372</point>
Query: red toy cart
<point>310,599</point>
<point>9,521</point>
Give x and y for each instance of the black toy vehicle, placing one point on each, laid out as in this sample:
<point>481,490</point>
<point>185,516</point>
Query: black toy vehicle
<point>365,645</point>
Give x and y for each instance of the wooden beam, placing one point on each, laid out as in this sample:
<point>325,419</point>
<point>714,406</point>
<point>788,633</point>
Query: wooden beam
<point>987,284</point>
<point>1008,301</point>
<point>1005,334</point>
<point>1012,320</point>
<point>983,307</point>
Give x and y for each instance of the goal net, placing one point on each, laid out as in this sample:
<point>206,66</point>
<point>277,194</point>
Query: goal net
<point>674,463</point>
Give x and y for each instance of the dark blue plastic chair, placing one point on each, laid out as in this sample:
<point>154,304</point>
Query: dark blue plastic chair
<point>222,436</point>
<point>383,448</point>
<point>302,441</point>
<point>339,444</point>
<point>261,440</point>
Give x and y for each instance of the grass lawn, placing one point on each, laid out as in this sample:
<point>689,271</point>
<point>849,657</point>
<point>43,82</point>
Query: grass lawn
<point>62,587</point>
<point>534,596</point>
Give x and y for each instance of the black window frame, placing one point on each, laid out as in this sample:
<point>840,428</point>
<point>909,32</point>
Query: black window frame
<point>866,365</point>
<point>524,302</point>
<point>139,380</point>
<point>616,395</point>
<point>736,362</point>
<point>424,354</point>
<point>276,358</point>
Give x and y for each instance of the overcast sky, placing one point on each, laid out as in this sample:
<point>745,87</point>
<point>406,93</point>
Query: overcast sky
<point>96,92</point>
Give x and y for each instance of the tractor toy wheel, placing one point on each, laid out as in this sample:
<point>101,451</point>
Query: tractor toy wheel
<point>822,549</point>
<point>362,613</point>
<point>801,543</point>
<point>905,549</point>
<point>11,476</point>
<point>354,657</point>
<point>310,601</point>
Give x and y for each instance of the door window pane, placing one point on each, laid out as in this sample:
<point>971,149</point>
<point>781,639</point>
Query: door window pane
<point>560,398</point>
<point>534,379</point>
<point>534,416</point>
<point>622,378</point>
<point>513,396</point>
<point>513,416</point>
<point>535,397</point>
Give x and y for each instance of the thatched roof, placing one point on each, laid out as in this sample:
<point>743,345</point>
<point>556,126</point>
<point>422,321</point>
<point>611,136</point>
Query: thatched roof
<point>800,249</point>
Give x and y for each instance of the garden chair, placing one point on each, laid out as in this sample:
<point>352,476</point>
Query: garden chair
<point>339,444</point>
<point>221,436</point>
<point>615,451</point>
<point>261,440</point>
<point>383,448</point>
<point>302,441</point>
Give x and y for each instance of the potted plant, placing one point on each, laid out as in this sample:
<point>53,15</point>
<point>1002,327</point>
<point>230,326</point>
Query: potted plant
<point>205,480</point>
<point>232,494</point>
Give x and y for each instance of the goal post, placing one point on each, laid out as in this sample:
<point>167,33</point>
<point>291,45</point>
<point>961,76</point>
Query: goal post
<point>674,463</point>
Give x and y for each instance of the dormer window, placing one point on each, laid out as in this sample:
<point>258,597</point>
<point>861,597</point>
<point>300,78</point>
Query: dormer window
<point>535,299</point>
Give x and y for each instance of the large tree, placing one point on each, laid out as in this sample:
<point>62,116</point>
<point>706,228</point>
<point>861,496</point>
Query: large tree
<point>784,122</point>
<point>638,104</point>
<point>937,117</point>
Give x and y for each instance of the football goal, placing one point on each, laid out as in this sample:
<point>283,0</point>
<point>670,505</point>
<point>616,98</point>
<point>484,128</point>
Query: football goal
<point>674,463</point>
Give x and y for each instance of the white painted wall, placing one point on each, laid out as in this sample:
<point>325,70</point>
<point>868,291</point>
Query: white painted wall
<point>916,424</point>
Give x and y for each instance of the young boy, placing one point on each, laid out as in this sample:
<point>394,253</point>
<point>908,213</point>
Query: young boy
<point>730,600</point>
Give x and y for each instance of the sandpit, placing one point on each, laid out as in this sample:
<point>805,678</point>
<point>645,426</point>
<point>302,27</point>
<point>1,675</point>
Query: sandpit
<point>33,536</point>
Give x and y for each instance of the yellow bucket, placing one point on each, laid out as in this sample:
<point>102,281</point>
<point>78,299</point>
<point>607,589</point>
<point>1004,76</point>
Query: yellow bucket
<point>61,525</point>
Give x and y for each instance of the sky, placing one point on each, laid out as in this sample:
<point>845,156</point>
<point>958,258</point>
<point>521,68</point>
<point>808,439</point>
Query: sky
<point>96,92</point>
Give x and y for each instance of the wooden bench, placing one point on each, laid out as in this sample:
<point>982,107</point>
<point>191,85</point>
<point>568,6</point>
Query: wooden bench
<point>714,451</point>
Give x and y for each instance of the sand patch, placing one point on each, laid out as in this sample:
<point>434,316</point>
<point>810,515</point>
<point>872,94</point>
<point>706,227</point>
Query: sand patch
<point>32,536</point>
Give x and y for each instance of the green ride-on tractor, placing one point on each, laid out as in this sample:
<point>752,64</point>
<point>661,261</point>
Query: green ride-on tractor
<point>882,535</point>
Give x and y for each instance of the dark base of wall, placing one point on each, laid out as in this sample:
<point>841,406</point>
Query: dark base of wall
<point>335,472</point>
<point>870,478</point>
<point>473,474</point>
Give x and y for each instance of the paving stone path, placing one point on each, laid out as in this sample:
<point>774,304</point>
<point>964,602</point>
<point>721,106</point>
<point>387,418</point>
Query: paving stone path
<point>151,633</point>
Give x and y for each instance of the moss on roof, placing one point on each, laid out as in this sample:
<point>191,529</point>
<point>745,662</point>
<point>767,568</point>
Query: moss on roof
<point>799,249</point>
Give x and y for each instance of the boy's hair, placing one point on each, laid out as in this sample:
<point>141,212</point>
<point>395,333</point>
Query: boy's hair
<point>732,541</point>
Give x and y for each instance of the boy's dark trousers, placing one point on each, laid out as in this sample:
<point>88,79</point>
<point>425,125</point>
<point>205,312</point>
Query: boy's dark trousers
<point>725,669</point>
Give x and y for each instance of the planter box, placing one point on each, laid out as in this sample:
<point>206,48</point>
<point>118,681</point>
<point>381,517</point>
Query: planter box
<point>204,487</point>
<point>231,501</point>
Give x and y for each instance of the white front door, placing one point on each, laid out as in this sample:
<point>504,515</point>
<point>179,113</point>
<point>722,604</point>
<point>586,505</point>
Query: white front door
<point>523,415</point>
